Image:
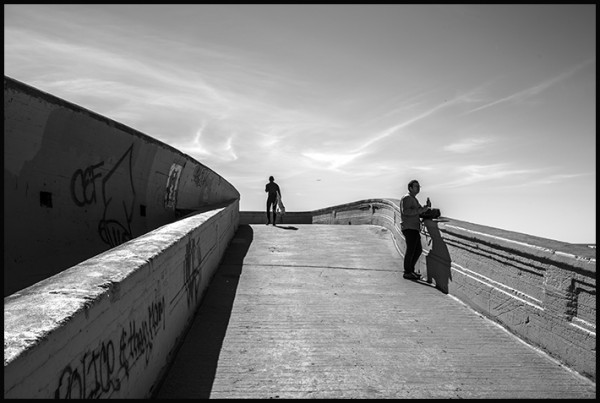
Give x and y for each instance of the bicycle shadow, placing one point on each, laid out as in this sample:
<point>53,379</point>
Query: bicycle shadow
<point>437,261</point>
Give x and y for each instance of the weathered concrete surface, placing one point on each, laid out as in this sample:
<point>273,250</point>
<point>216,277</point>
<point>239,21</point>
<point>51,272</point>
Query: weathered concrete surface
<point>322,311</point>
<point>109,327</point>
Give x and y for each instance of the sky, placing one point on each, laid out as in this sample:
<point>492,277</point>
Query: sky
<point>492,108</point>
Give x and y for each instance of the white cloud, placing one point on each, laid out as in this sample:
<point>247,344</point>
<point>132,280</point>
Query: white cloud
<point>468,145</point>
<point>332,161</point>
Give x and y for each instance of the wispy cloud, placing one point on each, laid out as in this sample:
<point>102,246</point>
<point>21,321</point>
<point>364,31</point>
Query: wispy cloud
<point>395,128</point>
<point>211,109</point>
<point>339,158</point>
<point>332,161</point>
<point>209,144</point>
<point>468,145</point>
<point>552,179</point>
<point>468,175</point>
<point>414,103</point>
<point>537,89</point>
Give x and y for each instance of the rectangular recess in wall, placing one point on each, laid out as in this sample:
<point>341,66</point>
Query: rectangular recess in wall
<point>46,199</point>
<point>142,210</point>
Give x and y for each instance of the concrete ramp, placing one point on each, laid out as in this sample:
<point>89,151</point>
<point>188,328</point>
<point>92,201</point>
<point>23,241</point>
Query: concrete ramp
<point>322,311</point>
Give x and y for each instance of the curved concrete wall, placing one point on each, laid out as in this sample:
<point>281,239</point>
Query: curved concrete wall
<point>542,290</point>
<point>110,326</point>
<point>77,184</point>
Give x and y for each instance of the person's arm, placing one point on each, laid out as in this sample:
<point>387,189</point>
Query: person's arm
<point>410,207</point>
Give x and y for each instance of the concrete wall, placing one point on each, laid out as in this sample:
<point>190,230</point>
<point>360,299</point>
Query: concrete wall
<point>544,291</point>
<point>109,327</point>
<point>260,217</point>
<point>544,295</point>
<point>77,184</point>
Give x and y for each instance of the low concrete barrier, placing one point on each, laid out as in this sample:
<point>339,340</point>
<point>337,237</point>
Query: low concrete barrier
<point>110,326</point>
<point>543,291</point>
<point>260,217</point>
<point>545,296</point>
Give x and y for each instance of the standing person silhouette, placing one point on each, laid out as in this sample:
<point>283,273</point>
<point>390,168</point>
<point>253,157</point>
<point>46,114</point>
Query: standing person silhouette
<point>274,192</point>
<point>410,225</point>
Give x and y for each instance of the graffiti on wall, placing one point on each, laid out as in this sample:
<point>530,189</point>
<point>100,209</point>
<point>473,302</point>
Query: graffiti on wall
<point>83,185</point>
<point>192,271</point>
<point>101,371</point>
<point>172,184</point>
<point>117,197</point>
<point>202,178</point>
<point>192,266</point>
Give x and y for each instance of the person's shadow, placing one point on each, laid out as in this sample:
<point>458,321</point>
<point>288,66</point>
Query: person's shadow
<point>287,227</point>
<point>284,227</point>
<point>437,261</point>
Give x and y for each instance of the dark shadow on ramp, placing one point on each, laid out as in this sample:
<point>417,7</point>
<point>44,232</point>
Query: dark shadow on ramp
<point>437,261</point>
<point>288,227</point>
<point>192,374</point>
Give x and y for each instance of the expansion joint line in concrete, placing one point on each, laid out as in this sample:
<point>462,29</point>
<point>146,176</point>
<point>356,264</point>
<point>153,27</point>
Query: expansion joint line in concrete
<point>318,267</point>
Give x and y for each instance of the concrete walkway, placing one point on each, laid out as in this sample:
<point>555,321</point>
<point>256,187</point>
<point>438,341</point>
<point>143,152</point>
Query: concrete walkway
<point>320,311</point>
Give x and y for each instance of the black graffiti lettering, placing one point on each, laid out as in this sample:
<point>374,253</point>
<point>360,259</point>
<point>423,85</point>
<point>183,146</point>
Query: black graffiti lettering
<point>156,311</point>
<point>97,368</point>
<point>113,232</point>
<point>123,361</point>
<point>117,195</point>
<point>83,185</point>
<point>70,385</point>
<point>105,367</point>
<point>98,371</point>
<point>148,344</point>
<point>94,378</point>
<point>192,273</point>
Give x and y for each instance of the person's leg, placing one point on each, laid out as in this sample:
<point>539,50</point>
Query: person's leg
<point>413,240</point>
<point>417,251</point>
<point>268,212</point>
<point>272,204</point>
<point>409,239</point>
